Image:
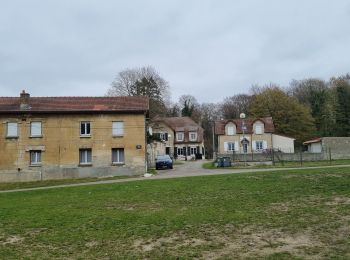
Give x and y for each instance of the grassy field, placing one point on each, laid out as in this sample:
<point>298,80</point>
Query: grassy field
<point>46,183</point>
<point>279,215</point>
<point>286,164</point>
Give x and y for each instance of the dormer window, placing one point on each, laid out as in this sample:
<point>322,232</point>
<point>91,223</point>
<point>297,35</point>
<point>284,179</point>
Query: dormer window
<point>230,129</point>
<point>180,136</point>
<point>193,136</point>
<point>258,128</point>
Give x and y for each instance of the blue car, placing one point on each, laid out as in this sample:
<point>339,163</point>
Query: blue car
<point>164,161</point>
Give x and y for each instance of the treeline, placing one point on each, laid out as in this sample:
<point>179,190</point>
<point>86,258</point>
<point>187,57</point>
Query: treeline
<point>306,108</point>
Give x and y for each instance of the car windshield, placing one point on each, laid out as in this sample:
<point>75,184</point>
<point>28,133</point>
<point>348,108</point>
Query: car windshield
<point>163,157</point>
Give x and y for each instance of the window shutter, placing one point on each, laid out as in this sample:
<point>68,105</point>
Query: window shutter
<point>236,146</point>
<point>118,128</point>
<point>35,129</point>
<point>166,136</point>
<point>254,145</point>
<point>225,146</point>
<point>264,145</point>
<point>12,129</point>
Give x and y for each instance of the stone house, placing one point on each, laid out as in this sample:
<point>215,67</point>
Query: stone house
<point>71,137</point>
<point>338,147</point>
<point>250,136</point>
<point>180,137</point>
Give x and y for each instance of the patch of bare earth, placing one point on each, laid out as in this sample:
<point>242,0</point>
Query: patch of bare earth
<point>11,240</point>
<point>174,241</point>
<point>233,242</point>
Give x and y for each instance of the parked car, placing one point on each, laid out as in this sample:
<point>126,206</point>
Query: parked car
<point>164,161</point>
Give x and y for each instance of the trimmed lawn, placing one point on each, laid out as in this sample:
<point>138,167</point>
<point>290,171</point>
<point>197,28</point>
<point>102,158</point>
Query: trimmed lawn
<point>46,183</point>
<point>286,164</point>
<point>277,215</point>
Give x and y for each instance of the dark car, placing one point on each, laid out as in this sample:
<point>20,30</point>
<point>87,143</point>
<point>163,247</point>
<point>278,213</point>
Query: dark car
<point>164,161</point>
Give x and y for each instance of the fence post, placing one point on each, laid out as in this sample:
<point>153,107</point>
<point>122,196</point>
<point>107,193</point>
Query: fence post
<point>330,155</point>
<point>301,156</point>
<point>273,157</point>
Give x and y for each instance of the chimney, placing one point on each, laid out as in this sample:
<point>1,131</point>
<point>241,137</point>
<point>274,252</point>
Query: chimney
<point>24,100</point>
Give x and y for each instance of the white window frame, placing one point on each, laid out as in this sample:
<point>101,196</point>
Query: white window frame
<point>193,138</point>
<point>178,134</point>
<point>163,136</point>
<point>118,128</point>
<point>259,145</point>
<point>84,156</point>
<point>9,131</point>
<point>120,155</point>
<point>36,129</point>
<point>231,146</point>
<point>230,129</point>
<point>35,157</point>
<point>180,151</point>
<point>259,129</point>
<point>86,124</point>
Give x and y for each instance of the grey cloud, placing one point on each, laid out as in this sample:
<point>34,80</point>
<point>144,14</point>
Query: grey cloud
<point>209,49</point>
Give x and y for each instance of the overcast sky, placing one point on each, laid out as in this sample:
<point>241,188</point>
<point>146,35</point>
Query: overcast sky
<point>209,49</point>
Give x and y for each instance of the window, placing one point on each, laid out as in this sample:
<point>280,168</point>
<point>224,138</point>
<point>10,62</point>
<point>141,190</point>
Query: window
<point>179,136</point>
<point>259,129</point>
<point>35,129</point>
<point>12,130</point>
<point>118,155</point>
<point>193,150</point>
<point>230,129</point>
<point>259,145</point>
<point>180,151</point>
<point>230,146</point>
<point>118,128</point>
<point>163,136</point>
<point>85,128</point>
<point>85,156</point>
<point>35,157</point>
<point>193,136</point>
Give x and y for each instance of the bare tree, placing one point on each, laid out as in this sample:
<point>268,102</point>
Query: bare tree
<point>144,81</point>
<point>231,107</point>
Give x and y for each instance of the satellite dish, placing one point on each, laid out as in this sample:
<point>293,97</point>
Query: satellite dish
<point>242,115</point>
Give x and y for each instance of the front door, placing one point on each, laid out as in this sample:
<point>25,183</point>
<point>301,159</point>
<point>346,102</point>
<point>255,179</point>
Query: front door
<point>167,150</point>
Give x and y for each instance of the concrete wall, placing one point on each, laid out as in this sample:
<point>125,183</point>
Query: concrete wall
<point>283,143</point>
<point>60,144</point>
<point>339,147</point>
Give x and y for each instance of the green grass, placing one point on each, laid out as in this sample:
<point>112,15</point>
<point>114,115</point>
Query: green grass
<point>46,183</point>
<point>277,215</point>
<point>286,164</point>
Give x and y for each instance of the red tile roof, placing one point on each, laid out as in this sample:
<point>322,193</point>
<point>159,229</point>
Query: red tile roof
<point>316,140</point>
<point>27,104</point>
<point>268,125</point>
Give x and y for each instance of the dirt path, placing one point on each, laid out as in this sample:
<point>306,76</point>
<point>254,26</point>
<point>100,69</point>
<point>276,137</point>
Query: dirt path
<point>187,169</point>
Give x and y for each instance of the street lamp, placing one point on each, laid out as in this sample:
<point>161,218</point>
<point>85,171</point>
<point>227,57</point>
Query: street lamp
<point>244,141</point>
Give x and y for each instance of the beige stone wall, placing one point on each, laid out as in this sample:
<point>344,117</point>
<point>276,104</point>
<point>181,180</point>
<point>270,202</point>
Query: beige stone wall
<point>61,141</point>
